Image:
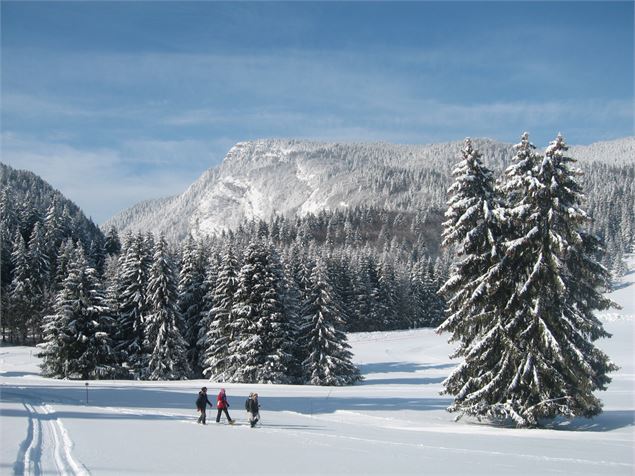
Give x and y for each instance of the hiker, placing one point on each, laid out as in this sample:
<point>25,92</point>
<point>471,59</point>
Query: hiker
<point>252,406</point>
<point>222,404</point>
<point>201,405</point>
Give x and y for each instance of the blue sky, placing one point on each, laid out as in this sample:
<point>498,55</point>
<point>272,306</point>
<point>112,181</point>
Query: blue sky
<point>116,102</point>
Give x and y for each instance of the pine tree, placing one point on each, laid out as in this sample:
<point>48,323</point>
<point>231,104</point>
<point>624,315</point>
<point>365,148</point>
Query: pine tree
<point>218,362</point>
<point>21,292</point>
<point>535,358</point>
<point>262,334</point>
<point>294,289</point>
<point>97,255</point>
<point>113,244</point>
<point>76,340</point>
<point>8,226</point>
<point>132,299</point>
<point>344,289</point>
<point>210,274</point>
<point>329,360</point>
<point>166,348</point>
<point>418,295</point>
<point>28,215</point>
<point>434,304</point>
<point>369,314</point>
<point>53,234</point>
<point>388,299</point>
<point>427,307</point>
<point>471,227</point>
<point>39,274</point>
<point>191,292</point>
<point>64,256</point>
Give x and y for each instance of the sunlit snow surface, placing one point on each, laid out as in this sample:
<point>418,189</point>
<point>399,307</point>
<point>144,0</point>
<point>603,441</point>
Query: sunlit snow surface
<point>393,423</point>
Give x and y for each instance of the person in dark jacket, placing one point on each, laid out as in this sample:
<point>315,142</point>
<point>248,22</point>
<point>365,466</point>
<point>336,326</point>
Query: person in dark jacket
<point>222,404</point>
<point>201,405</point>
<point>253,407</point>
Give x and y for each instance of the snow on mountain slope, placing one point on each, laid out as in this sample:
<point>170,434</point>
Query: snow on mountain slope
<point>260,178</point>
<point>612,152</point>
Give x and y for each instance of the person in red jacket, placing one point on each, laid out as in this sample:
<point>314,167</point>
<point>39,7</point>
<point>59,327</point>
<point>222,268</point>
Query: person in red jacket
<point>222,404</point>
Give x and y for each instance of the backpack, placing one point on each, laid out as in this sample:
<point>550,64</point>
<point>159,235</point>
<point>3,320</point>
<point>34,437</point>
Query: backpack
<point>247,404</point>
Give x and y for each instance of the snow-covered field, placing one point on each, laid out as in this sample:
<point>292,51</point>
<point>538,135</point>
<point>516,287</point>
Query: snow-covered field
<point>393,423</point>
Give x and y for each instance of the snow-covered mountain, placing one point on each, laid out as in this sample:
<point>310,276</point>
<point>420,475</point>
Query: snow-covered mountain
<point>613,152</point>
<point>265,177</point>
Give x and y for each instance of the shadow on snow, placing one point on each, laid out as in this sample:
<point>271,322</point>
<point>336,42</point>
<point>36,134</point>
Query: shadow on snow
<point>157,398</point>
<point>386,367</point>
<point>130,398</point>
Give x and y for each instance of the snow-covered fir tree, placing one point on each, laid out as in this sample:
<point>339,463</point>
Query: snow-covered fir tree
<point>164,344</point>
<point>97,255</point>
<point>53,233</point>
<point>8,227</point>
<point>262,335</point>
<point>211,260</point>
<point>191,293</point>
<point>218,361</point>
<point>388,302</point>
<point>426,307</point>
<point>368,314</point>
<point>76,339</point>
<point>64,257</point>
<point>132,298</point>
<point>535,359</point>
<point>112,243</point>
<point>472,229</point>
<point>39,273</point>
<point>328,357</point>
<point>294,289</point>
<point>21,292</point>
<point>343,283</point>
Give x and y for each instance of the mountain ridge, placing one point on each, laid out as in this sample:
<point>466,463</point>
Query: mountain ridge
<point>263,177</point>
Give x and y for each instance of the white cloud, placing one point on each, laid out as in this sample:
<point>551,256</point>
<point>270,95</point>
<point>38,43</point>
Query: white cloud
<point>102,181</point>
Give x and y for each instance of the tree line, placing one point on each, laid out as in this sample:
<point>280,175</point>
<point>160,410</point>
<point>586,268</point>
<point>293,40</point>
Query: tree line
<point>235,307</point>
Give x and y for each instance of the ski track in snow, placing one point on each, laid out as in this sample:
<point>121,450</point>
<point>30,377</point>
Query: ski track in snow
<point>67,465</point>
<point>387,442</point>
<point>47,447</point>
<point>476,451</point>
